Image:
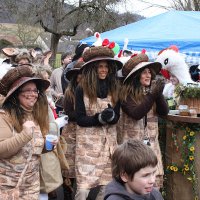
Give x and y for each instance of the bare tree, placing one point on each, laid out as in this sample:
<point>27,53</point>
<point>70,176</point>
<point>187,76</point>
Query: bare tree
<point>193,5</point>
<point>28,34</point>
<point>64,17</point>
<point>187,5</point>
<point>61,17</point>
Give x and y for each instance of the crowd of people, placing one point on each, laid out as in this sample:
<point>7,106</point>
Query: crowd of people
<point>111,134</point>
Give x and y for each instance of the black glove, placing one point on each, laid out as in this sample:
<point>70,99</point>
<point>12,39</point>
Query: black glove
<point>107,115</point>
<point>157,87</point>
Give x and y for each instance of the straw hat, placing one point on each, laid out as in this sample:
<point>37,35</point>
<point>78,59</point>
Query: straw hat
<point>137,62</point>
<point>18,76</point>
<point>100,53</point>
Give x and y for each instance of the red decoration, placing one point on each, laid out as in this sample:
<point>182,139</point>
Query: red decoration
<point>97,35</point>
<point>105,42</point>
<point>143,51</point>
<point>165,73</point>
<point>174,47</point>
<point>120,54</point>
<point>54,113</point>
<point>111,45</point>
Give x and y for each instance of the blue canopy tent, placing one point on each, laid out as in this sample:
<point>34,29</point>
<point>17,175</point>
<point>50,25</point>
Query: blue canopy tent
<point>180,28</point>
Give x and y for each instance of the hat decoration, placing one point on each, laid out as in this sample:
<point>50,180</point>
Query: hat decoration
<point>125,53</point>
<point>112,45</point>
<point>98,41</point>
<point>102,50</point>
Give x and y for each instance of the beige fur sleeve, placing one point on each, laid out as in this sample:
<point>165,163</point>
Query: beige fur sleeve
<point>10,143</point>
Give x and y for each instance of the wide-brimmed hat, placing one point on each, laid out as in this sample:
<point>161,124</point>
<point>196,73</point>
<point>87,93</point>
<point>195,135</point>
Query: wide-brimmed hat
<point>138,62</point>
<point>100,53</point>
<point>18,76</point>
<point>74,71</point>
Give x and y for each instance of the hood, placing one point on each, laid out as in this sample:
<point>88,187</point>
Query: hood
<point>119,192</point>
<point>117,189</point>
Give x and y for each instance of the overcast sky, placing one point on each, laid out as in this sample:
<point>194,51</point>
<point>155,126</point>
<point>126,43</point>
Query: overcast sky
<point>145,9</point>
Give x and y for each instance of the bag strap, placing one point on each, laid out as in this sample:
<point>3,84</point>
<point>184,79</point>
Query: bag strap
<point>27,162</point>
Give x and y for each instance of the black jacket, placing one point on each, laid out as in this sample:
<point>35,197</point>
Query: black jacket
<point>81,116</point>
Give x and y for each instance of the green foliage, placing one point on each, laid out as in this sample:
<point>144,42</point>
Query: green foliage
<point>187,149</point>
<point>188,91</point>
<point>57,61</point>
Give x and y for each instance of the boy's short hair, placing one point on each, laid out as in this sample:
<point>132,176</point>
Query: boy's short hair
<point>64,55</point>
<point>130,157</point>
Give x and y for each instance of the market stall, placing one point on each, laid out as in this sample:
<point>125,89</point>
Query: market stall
<point>182,157</point>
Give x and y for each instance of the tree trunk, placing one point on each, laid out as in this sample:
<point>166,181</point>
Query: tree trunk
<point>54,44</point>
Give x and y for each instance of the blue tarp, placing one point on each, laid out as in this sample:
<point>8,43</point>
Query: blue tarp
<point>181,28</point>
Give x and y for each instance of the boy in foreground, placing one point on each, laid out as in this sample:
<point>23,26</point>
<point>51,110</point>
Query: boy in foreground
<point>134,172</point>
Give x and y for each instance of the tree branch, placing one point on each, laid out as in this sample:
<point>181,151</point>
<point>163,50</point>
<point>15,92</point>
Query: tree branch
<point>46,29</point>
<point>70,33</point>
<point>81,7</point>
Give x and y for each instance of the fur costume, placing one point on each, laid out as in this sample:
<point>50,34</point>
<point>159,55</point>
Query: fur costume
<point>173,62</point>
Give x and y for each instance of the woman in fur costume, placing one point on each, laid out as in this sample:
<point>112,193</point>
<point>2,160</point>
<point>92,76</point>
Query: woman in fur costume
<point>69,131</point>
<point>142,101</point>
<point>22,132</point>
<point>97,110</point>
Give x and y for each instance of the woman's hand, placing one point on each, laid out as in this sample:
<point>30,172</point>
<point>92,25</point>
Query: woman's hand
<point>157,87</point>
<point>28,127</point>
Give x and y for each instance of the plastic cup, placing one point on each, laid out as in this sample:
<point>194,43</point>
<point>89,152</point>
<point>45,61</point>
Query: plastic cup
<point>49,140</point>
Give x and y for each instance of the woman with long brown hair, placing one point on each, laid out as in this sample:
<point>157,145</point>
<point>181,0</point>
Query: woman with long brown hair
<point>142,101</point>
<point>69,130</point>
<point>24,123</point>
<point>97,110</point>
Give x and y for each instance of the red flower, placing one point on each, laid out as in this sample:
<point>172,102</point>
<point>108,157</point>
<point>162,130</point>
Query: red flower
<point>111,45</point>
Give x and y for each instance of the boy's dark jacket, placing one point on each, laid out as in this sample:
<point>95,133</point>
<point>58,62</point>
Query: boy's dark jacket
<point>116,191</point>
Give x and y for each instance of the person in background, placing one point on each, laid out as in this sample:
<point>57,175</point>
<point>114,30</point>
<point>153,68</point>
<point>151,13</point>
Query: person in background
<point>169,91</point>
<point>69,131</point>
<point>142,101</point>
<point>22,130</point>
<point>44,72</point>
<point>55,80</point>
<point>134,173</point>
<point>80,48</point>
<point>97,109</point>
<point>18,56</point>
<point>195,73</point>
